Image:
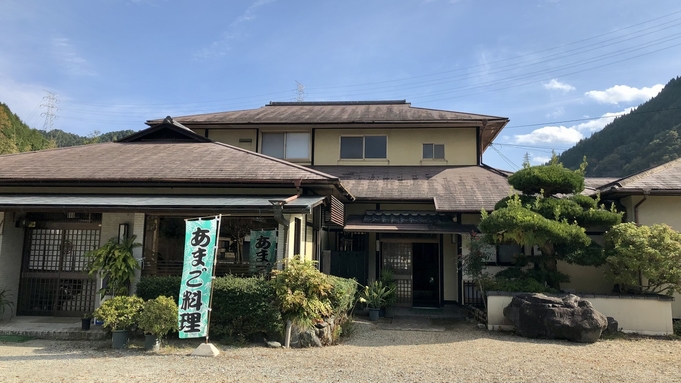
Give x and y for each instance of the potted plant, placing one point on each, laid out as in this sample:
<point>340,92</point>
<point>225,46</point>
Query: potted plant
<point>120,315</point>
<point>388,279</point>
<point>85,321</point>
<point>374,296</point>
<point>115,264</point>
<point>157,319</point>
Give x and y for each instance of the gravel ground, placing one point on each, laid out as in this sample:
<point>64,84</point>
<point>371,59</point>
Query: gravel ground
<point>460,353</point>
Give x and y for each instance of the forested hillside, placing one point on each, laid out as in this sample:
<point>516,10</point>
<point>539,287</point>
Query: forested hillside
<point>648,136</point>
<point>63,139</point>
<point>15,136</point>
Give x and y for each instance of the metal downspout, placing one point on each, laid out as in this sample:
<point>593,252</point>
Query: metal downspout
<point>639,203</point>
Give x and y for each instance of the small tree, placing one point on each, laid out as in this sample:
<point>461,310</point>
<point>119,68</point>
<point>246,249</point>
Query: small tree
<point>551,215</point>
<point>115,263</point>
<point>474,263</point>
<point>644,258</point>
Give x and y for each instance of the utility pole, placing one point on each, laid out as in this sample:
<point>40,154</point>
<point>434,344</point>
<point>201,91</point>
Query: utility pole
<point>50,114</point>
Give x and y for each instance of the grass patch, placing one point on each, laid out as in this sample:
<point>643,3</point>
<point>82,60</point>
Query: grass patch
<point>15,338</point>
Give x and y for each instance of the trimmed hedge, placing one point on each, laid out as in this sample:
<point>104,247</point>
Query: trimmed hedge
<point>154,287</point>
<point>243,307</point>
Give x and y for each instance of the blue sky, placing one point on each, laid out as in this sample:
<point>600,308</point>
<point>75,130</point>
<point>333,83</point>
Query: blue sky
<point>559,69</point>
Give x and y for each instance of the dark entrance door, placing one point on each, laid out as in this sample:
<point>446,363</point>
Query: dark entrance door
<point>54,278</point>
<point>426,276</point>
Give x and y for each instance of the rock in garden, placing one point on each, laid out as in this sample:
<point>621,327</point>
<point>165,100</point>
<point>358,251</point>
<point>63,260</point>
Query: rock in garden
<point>569,317</point>
<point>613,327</point>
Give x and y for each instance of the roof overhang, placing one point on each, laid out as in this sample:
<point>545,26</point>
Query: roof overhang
<point>407,228</point>
<point>217,204</point>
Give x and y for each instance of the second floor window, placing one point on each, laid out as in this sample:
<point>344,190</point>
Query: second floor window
<point>433,151</point>
<point>364,147</point>
<point>286,145</point>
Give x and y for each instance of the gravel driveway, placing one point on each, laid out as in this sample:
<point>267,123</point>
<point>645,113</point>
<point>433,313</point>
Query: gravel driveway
<point>461,352</point>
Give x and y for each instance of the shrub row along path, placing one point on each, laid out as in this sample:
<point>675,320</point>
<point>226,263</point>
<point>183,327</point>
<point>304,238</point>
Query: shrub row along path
<point>461,352</point>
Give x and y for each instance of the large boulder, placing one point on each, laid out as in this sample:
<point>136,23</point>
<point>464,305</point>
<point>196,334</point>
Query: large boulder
<point>569,317</point>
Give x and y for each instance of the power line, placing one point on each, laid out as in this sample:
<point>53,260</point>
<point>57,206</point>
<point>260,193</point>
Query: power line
<point>589,119</point>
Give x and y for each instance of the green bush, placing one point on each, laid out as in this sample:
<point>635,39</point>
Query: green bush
<point>677,327</point>
<point>120,312</point>
<point>159,316</point>
<point>302,292</point>
<point>343,295</point>
<point>243,307</point>
<point>154,287</point>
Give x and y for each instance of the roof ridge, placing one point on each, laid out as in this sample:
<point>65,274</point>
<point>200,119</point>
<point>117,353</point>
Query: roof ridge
<point>313,103</point>
<point>279,160</point>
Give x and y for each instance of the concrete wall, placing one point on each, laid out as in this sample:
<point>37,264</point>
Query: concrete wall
<point>635,315</point>
<point>404,147</point>
<point>585,279</point>
<point>11,246</point>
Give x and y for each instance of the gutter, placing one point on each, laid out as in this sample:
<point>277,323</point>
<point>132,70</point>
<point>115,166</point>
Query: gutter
<point>646,193</point>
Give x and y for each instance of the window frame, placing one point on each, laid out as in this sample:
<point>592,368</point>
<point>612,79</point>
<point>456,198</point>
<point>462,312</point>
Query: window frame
<point>364,147</point>
<point>496,261</point>
<point>285,134</point>
<point>433,158</point>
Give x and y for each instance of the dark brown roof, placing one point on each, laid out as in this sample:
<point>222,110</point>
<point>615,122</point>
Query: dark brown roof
<point>452,189</point>
<point>347,112</point>
<point>154,162</point>
<point>665,178</point>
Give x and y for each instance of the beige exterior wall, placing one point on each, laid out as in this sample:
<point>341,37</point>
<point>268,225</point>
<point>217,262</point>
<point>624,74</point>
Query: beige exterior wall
<point>404,146</point>
<point>233,137</point>
<point>450,262</point>
<point>585,279</point>
<point>642,316</point>
<point>11,246</point>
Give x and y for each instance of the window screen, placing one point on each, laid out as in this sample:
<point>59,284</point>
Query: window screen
<point>297,145</point>
<point>352,147</point>
<point>273,144</point>
<point>375,147</point>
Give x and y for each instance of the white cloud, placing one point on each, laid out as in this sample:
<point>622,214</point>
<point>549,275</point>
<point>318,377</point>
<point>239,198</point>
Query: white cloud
<point>538,160</point>
<point>73,63</point>
<point>550,135</point>
<point>559,111</point>
<point>223,45</point>
<point>567,135</point>
<point>557,85</point>
<point>624,93</point>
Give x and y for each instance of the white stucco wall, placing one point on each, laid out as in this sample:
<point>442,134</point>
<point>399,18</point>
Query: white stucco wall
<point>634,315</point>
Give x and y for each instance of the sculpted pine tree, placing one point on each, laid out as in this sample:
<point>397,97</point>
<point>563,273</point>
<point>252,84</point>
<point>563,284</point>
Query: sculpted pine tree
<point>551,215</point>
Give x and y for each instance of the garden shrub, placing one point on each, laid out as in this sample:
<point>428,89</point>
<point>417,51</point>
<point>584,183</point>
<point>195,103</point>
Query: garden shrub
<point>243,307</point>
<point>343,294</point>
<point>153,287</point>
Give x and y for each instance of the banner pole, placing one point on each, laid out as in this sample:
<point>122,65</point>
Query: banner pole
<point>212,281</point>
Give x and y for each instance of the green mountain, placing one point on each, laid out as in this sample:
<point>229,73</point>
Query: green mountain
<point>64,139</point>
<point>646,137</point>
<point>16,136</point>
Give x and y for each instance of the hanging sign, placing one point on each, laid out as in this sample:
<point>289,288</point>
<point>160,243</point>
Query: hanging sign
<point>197,277</point>
<point>262,254</point>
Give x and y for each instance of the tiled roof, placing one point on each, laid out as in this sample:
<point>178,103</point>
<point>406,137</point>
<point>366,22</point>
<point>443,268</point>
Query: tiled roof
<point>663,178</point>
<point>153,162</point>
<point>452,189</point>
<point>346,112</point>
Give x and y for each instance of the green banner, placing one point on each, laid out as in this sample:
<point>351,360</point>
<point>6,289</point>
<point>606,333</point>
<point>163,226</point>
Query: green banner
<point>263,251</point>
<point>197,277</point>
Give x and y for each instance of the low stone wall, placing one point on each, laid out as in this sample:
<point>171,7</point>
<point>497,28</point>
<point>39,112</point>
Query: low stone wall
<point>647,315</point>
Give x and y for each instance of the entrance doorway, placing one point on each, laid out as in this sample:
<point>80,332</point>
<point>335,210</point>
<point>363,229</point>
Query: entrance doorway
<point>416,269</point>
<point>54,279</point>
<point>426,275</point>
